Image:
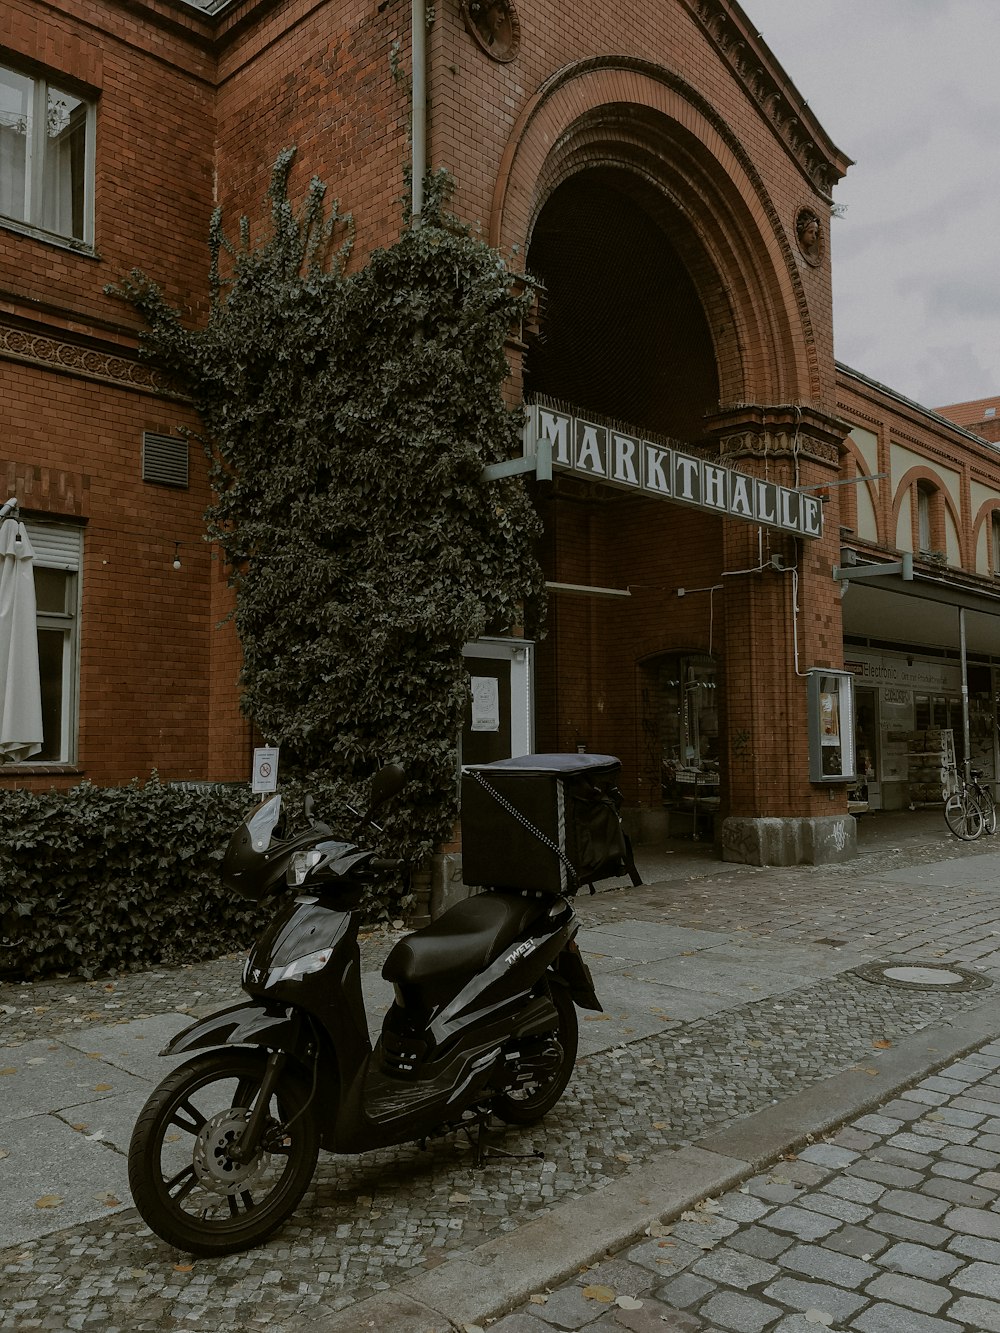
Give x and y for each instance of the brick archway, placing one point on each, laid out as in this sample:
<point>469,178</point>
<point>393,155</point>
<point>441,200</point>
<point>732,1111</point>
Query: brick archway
<point>715,208</point>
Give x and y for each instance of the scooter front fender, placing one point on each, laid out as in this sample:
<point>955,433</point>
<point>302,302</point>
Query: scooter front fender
<point>276,1027</point>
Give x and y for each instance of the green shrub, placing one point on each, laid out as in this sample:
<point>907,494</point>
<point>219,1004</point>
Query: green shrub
<point>100,879</point>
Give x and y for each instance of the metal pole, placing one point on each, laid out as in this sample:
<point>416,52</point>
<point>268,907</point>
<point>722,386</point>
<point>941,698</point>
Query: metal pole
<point>418,26</point>
<point>965,694</point>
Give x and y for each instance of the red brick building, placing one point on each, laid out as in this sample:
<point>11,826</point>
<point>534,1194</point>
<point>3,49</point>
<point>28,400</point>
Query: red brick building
<point>657,169</point>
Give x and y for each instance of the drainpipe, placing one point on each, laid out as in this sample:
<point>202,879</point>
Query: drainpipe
<point>963,658</point>
<point>418,25</point>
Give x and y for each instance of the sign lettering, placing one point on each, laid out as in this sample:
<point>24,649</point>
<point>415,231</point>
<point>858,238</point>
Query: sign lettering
<point>595,451</point>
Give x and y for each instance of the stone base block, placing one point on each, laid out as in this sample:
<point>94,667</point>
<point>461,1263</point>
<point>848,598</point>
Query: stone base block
<point>789,842</point>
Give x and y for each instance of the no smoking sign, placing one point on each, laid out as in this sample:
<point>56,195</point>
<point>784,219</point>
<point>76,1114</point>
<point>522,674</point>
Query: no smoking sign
<point>265,769</point>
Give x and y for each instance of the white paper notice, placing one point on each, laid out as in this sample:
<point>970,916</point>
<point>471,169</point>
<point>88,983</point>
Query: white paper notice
<point>485,703</point>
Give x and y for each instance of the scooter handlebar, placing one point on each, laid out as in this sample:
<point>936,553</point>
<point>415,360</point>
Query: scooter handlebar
<point>386,864</point>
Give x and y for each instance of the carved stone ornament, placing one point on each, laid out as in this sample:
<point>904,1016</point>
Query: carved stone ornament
<point>821,162</point>
<point>494,26</point>
<point>809,236</point>
<point>88,363</point>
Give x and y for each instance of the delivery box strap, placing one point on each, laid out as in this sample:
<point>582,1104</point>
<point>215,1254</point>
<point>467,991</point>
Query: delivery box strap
<point>526,823</point>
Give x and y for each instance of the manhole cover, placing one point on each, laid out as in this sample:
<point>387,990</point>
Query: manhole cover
<point>923,976</point>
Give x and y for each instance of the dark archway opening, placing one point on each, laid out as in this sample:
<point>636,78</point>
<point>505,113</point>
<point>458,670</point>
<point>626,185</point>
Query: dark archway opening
<point>623,335</point>
<point>623,332</point>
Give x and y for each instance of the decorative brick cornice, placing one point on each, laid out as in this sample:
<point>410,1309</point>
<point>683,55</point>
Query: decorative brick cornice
<point>764,80</point>
<point>752,430</point>
<point>533,140</point>
<point>82,360</point>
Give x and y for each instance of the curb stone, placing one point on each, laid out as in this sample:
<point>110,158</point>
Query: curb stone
<point>494,1278</point>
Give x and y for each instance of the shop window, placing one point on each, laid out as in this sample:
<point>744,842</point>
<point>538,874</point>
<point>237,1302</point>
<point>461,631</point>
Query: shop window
<point>687,721</point>
<point>46,157</point>
<point>932,711</point>
<point>58,550</point>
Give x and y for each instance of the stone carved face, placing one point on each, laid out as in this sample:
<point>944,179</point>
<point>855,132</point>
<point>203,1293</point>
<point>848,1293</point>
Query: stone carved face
<point>807,230</point>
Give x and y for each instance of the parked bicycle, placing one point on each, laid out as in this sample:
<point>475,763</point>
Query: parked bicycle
<point>972,809</point>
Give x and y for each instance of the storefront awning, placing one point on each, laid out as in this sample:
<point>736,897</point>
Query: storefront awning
<point>922,611</point>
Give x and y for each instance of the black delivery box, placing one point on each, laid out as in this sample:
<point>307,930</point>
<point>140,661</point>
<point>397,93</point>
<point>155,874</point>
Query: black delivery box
<point>542,821</point>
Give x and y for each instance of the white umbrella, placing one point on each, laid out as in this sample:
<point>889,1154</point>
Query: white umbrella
<point>20,686</point>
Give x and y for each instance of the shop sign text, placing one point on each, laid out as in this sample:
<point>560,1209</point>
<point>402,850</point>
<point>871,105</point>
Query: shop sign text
<point>606,454</point>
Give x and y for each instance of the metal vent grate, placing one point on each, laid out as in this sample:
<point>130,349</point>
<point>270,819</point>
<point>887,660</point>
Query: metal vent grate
<point>164,459</point>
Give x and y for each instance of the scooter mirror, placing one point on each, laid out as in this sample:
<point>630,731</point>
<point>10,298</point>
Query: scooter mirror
<point>386,782</point>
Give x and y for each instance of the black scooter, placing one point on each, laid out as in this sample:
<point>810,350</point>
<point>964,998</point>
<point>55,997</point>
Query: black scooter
<point>483,1024</point>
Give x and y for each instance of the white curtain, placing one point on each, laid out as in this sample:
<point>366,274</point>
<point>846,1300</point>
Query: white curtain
<point>20,686</point>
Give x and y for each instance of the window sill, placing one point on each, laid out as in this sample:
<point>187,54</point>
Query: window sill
<point>82,248</point>
<point>42,770</point>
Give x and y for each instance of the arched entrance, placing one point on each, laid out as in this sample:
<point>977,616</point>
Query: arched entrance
<point>623,336</point>
<point>623,331</point>
<point>673,308</point>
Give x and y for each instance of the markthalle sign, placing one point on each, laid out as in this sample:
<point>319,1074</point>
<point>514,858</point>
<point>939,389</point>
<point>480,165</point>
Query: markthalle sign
<point>604,453</point>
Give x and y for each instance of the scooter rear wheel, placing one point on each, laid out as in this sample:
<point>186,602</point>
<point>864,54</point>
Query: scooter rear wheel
<point>184,1170</point>
<point>536,1099</point>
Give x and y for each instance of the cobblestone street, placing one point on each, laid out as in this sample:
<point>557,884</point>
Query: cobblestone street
<point>730,992</point>
<point>891,1225</point>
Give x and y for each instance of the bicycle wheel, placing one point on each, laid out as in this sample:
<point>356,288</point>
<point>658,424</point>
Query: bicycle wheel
<point>963,816</point>
<point>988,806</point>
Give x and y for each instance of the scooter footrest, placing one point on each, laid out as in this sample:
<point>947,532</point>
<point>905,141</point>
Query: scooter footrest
<point>402,1056</point>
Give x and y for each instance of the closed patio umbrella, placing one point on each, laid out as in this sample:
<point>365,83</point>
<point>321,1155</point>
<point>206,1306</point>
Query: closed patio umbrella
<point>20,686</point>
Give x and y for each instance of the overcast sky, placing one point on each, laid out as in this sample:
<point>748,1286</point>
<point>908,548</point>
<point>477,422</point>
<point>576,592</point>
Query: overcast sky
<point>910,89</point>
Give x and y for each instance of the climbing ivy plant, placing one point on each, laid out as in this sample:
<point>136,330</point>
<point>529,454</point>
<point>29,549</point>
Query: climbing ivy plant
<point>348,418</point>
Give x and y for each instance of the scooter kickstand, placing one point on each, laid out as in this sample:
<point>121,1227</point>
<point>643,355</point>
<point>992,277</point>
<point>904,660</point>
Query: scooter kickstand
<point>483,1152</point>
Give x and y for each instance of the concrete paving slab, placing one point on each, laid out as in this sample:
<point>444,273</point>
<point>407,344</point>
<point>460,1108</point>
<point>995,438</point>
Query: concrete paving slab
<point>655,936</point>
<point>134,1047</point>
<point>378,997</point>
<point>54,1177</point>
<point>43,1076</point>
<point>709,974</point>
<point>629,1001</point>
<point>818,960</point>
<point>109,1122</point>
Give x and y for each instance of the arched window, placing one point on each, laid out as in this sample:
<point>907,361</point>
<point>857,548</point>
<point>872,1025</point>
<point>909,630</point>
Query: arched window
<point>925,503</point>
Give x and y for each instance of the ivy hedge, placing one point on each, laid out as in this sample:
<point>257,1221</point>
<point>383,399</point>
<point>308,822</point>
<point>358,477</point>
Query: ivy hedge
<point>348,418</point>
<point>103,879</point>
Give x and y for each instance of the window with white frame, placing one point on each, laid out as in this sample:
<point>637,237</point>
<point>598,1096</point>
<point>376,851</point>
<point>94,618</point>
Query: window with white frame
<point>46,157</point>
<point>58,551</point>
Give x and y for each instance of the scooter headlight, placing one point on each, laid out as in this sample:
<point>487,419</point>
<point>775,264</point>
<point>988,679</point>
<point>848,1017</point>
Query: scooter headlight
<point>299,967</point>
<point>301,866</point>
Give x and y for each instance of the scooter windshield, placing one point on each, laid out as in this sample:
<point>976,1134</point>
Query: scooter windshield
<point>261,823</point>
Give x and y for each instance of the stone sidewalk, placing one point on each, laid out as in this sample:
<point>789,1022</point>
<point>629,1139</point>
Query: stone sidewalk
<point>733,1006</point>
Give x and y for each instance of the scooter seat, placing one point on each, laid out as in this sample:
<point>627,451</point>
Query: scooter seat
<point>464,939</point>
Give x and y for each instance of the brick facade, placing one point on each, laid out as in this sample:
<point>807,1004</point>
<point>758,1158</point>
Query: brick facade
<point>678,111</point>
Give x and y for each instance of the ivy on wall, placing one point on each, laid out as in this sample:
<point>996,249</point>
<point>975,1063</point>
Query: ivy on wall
<point>348,418</point>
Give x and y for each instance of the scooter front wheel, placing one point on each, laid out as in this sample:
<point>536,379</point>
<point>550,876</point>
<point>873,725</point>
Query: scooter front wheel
<point>190,1181</point>
<point>554,1062</point>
